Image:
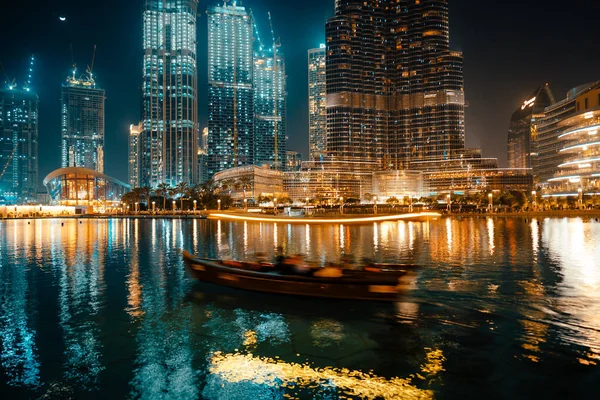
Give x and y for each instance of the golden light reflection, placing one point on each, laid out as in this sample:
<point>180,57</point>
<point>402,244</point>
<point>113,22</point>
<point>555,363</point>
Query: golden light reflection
<point>236,368</point>
<point>414,216</point>
<point>490,229</point>
<point>449,233</point>
<point>535,236</point>
<point>376,235</point>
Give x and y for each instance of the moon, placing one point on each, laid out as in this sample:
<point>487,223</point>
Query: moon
<point>63,19</point>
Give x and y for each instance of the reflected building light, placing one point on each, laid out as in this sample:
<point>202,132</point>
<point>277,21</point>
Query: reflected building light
<point>342,237</point>
<point>411,235</point>
<point>307,238</point>
<point>219,238</point>
<point>275,234</point>
<point>375,236</point>
<point>270,373</point>
<point>245,239</point>
<point>535,237</point>
<point>490,229</point>
<point>18,355</point>
<point>195,233</point>
<point>449,234</point>
<point>572,244</point>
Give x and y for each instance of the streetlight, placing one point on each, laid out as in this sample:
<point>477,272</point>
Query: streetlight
<point>533,198</point>
<point>153,207</point>
<point>174,207</point>
<point>448,201</point>
<point>219,204</point>
<point>490,202</point>
<point>580,191</point>
<point>342,205</point>
<point>137,207</point>
<point>194,206</point>
<point>275,205</point>
<point>245,204</point>
<point>306,204</point>
<point>375,204</point>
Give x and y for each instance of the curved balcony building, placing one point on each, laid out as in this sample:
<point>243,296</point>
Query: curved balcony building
<point>84,187</point>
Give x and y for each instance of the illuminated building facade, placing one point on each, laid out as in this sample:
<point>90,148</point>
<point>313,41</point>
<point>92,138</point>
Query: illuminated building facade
<point>169,139</point>
<point>134,154</point>
<point>329,180</point>
<point>76,186</point>
<point>317,103</point>
<point>270,95</point>
<point>394,89</point>
<point>18,145</point>
<point>577,144</point>
<point>202,156</point>
<point>294,160</point>
<point>230,87</point>
<point>82,123</point>
<point>522,132</point>
<point>249,182</point>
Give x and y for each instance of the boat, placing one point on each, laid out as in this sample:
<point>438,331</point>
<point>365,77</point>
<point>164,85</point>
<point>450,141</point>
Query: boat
<point>384,285</point>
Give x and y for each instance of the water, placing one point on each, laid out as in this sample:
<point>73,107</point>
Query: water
<point>502,308</point>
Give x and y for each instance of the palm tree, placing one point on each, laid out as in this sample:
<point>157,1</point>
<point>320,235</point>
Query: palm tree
<point>145,194</point>
<point>161,190</point>
<point>245,184</point>
<point>182,188</point>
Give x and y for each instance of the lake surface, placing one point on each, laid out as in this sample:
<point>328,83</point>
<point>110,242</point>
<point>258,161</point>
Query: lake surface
<point>502,308</point>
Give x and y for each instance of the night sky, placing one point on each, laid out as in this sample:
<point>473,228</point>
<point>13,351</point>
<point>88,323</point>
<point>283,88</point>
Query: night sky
<point>509,48</point>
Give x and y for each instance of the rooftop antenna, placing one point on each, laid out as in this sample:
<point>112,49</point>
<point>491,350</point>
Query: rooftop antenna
<point>89,69</point>
<point>276,44</point>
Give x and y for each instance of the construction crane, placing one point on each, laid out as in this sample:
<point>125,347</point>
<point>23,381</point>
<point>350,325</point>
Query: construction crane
<point>8,162</point>
<point>90,69</point>
<point>276,44</point>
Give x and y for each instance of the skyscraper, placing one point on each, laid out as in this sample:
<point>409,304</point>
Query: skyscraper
<point>18,145</point>
<point>82,123</point>
<point>230,87</point>
<point>134,154</point>
<point>317,109</point>
<point>169,140</point>
<point>270,96</point>
<point>522,131</point>
<point>394,89</point>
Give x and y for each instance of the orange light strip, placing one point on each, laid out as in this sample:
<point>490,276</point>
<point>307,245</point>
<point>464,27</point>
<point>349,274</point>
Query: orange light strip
<point>328,220</point>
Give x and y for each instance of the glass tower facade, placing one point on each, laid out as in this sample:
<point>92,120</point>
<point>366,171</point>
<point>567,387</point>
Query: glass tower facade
<point>18,146</point>
<point>395,91</point>
<point>134,154</point>
<point>230,87</point>
<point>317,97</point>
<point>270,109</point>
<point>168,142</point>
<point>82,123</point>
<point>522,132</point>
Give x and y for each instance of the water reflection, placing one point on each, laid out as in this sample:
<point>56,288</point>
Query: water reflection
<point>105,308</point>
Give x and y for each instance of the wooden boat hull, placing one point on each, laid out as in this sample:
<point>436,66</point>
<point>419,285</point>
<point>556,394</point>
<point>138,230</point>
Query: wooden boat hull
<point>377,287</point>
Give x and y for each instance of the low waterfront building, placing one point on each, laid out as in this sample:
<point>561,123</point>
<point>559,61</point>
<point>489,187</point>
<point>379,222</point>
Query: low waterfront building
<point>249,182</point>
<point>398,184</point>
<point>76,186</point>
<point>293,160</point>
<point>329,180</point>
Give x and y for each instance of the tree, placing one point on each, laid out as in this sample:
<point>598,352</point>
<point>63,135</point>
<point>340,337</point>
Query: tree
<point>172,192</point>
<point>182,188</point>
<point>393,201</point>
<point>145,194</point>
<point>162,190</point>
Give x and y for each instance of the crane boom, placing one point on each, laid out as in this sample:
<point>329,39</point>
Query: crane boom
<point>8,162</point>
